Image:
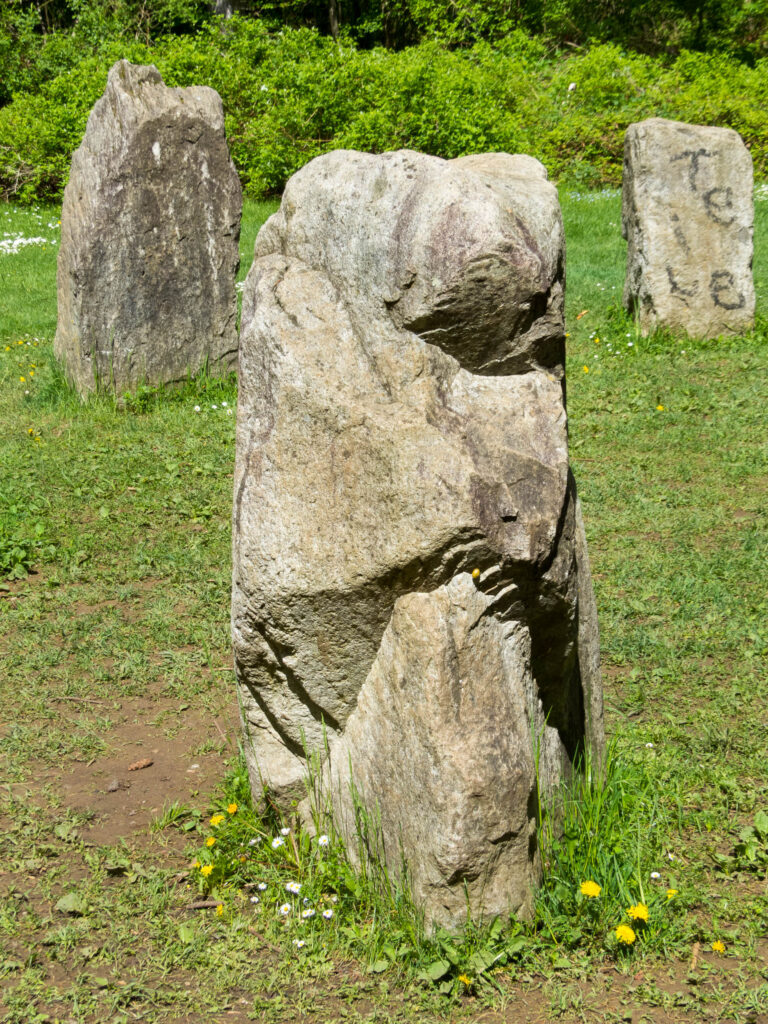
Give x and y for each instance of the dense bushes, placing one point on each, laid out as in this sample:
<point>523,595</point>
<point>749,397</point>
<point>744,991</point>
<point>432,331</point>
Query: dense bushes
<point>291,95</point>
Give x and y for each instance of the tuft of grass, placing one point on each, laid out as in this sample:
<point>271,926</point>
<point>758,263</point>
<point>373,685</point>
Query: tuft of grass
<point>605,845</point>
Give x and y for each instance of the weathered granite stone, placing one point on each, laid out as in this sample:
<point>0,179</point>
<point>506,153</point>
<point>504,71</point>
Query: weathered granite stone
<point>401,424</point>
<point>149,238</point>
<point>687,215</point>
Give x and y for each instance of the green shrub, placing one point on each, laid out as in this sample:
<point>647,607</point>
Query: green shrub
<point>292,95</point>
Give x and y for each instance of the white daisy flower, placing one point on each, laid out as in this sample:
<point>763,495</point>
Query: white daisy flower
<point>298,943</point>
<point>277,842</point>
<point>285,831</point>
<point>655,875</point>
<point>262,886</point>
<point>294,887</point>
<point>323,841</point>
<point>328,914</point>
<point>255,899</point>
<point>306,914</point>
<point>285,909</point>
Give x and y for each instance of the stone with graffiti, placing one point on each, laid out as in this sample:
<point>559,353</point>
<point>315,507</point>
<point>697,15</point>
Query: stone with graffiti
<point>687,215</point>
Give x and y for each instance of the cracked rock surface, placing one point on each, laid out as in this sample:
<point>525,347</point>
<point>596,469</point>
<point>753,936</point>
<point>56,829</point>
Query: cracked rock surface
<point>688,215</point>
<point>411,590</point>
<point>150,227</point>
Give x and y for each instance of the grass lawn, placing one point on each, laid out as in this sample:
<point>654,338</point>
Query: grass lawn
<point>114,650</point>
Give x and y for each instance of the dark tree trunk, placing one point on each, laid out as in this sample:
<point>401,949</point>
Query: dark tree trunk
<point>333,17</point>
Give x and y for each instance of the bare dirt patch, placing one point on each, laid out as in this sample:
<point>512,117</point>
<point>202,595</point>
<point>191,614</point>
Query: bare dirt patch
<point>185,767</point>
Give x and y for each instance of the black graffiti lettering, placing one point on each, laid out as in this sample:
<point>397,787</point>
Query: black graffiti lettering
<point>679,292</point>
<point>693,168</point>
<point>716,206</point>
<point>722,281</point>
<point>682,241</point>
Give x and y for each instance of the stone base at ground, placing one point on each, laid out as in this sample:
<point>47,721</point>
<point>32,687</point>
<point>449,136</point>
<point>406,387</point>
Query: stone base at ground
<point>687,215</point>
<point>411,597</point>
<point>150,228</point>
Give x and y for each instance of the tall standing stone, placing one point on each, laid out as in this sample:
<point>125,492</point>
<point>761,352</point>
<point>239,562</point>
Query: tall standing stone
<point>687,215</point>
<point>150,227</point>
<point>411,593</point>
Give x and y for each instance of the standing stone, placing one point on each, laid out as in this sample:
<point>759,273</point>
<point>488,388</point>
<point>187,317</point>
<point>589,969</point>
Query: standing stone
<point>687,215</point>
<point>412,606</point>
<point>149,238</point>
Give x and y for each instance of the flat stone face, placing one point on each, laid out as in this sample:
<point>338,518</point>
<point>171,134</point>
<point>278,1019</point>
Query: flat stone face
<point>150,229</point>
<point>396,434</point>
<point>687,215</point>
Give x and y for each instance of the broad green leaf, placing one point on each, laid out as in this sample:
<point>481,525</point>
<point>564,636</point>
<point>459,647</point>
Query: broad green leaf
<point>436,970</point>
<point>71,903</point>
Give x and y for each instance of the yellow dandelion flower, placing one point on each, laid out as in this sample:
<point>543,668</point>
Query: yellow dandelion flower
<point>206,869</point>
<point>659,408</point>
<point>220,910</point>
<point>30,430</point>
<point>197,864</point>
<point>639,912</point>
<point>671,893</point>
<point>718,947</point>
<point>597,341</point>
<point>586,369</point>
<point>217,819</point>
<point>31,373</point>
<point>243,859</point>
<point>7,348</point>
<point>210,841</point>
<point>590,889</point>
<point>232,809</point>
<point>465,980</point>
<point>23,380</point>
<point>625,935</point>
